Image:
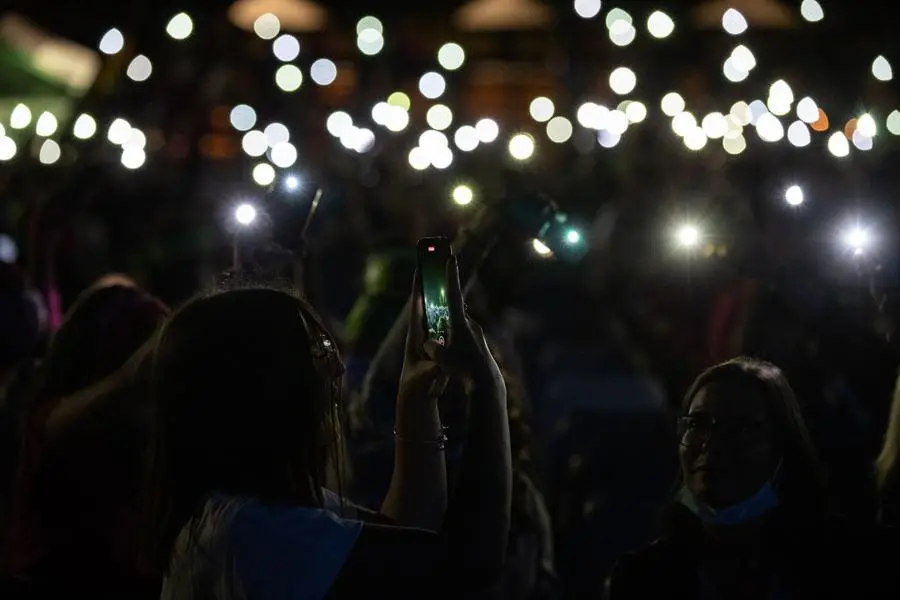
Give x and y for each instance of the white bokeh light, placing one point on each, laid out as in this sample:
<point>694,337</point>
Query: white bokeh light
<point>46,124</point>
<point>286,48</point>
<point>559,129</point>
<point>798,134</point>
<point>242,117</point>
<point>283,155</point>
<point>660,25</point>
<point>432,85</point>
<point>84,127</point>
<point>133,158</point>
<point>264,174</point>
<point>587,9</point>
<point>541,109</point>
<point>180,26</point>
<point>119,131</point>
<point>254,143</point>
<point>112,42</point>
<point>466,138</point>
<point>49,152</point>
<point>245,214</point>
<point>337,122</point>
<point>140,68</point>
<point>881,69</point>
<point>487,130</point>
<point>439,117</point>
<point>276,133</point>
<point>793,195</point>
<point>838,144</point>
<point>289,78</point>
<point>812,11</point>
<point>622,81</point>
<point>323,71</point>
<point>451,56</point>
<point>733,22</point>
<point>521,146</point>
<point>267,26</point>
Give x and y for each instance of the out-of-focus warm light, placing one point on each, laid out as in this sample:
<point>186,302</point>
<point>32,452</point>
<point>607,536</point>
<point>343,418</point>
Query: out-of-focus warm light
<point>838,144</point>
<point>451,56</point>
<point>683,122</point>
<point>119,131</point>
<point>636,112</point>
<point>807,110</point>
<point>622,32</point>
<point>733,22</point>
<point>540,247</point>
<point>288,78</point>
<point>592,116</point>
<point>139,69</point>
<point>466,138</point>
<point>263,174</point>
<point>7,148</point>
<point>559,129</point>
<point>254,143</point>
<point>622,81</point>
<point>133,158</point>
<point>734,145</point>
<point>732,72</point>
<point>660,25</point>
<point>487,130</point>
<point>49,152</point>
<point>180,26</point>
<point>439,117</point>
<point>695,139</point>
<point>866,126</point>
<point>521,146</point>
<point>84,127</point>
<point>399,99</point>
<point>418,159</point>
<point>20,117</point>
<point>672,104</point>
<point>769,128</point>
<point>794,195</point>
<point>337,122</point>
<point>463,195</point>
<point>267,26</point>
<point>541,109</point>
<point>821,124</point>
<point>714,125</point>
<point>46,125</point>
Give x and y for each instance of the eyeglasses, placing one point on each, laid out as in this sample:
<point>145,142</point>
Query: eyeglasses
<point>696,430</point>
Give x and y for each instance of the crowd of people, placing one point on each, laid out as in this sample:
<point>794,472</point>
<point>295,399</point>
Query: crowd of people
<point>222,450</point>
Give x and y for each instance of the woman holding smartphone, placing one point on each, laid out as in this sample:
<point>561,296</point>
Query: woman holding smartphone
<point>247,384</point>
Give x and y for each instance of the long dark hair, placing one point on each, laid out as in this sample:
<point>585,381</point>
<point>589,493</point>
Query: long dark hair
<point>105,326</point>
<point>246,384</point>
<point>801,481</point>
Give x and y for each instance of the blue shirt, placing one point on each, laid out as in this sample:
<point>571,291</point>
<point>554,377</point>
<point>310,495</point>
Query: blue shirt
<point>242,549</point>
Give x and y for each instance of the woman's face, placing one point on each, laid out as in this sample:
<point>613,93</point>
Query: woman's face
<point>727,444</point>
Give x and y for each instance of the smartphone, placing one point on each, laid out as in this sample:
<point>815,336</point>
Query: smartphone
<point>432,255</point>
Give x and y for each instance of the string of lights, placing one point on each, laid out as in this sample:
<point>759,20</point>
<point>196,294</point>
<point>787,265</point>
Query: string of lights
<point>270,146</point>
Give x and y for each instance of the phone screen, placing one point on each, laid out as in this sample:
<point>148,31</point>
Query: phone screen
<point>433,254</point>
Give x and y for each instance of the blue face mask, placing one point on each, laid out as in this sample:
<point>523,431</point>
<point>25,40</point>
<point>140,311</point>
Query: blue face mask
<point>754,507</point>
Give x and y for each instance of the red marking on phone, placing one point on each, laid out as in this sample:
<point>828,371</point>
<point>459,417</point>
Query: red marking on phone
<point>431,248</point>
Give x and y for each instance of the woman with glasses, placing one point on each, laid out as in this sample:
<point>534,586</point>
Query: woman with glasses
<point>750,517</point>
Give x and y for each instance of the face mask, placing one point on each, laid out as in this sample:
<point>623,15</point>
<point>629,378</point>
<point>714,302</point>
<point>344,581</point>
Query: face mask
<point>754,507</point>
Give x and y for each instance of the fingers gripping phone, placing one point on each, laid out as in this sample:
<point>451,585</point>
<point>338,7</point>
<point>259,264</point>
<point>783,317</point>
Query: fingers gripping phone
<point>433,254</point>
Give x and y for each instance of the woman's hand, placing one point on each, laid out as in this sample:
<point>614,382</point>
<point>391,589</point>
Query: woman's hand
<point>421,376</point>
<point>467,355</point>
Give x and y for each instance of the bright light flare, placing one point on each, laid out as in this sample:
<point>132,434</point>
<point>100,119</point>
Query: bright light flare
<point>245,214</point>
<point>687,236</point>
